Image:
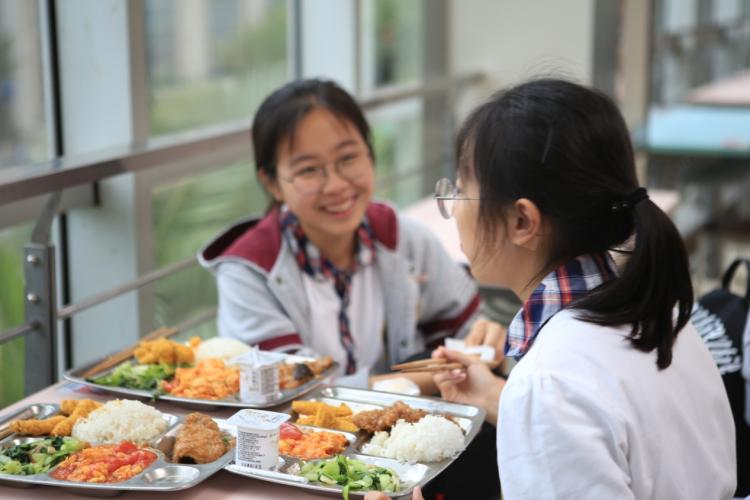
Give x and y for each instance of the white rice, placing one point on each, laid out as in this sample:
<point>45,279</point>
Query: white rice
<point>121,420</point>
<point>431,439</point>
<point>220,347</point>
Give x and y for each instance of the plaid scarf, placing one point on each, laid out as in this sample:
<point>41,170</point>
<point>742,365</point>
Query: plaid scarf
<point>312,263</point>
<point>557,290</point>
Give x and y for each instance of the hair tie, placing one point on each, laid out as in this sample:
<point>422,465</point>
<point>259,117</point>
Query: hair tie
<point>630,200</point>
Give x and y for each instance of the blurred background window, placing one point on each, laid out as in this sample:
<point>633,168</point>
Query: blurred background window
<point>23,120</point>
<point>212,61</point>
<point>697,42</point>
<point>397,137</point>
<point>186,215</point>
<point>392,42</point>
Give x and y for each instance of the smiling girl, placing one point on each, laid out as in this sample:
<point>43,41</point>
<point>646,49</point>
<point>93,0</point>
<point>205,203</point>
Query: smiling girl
<point>327,267</point>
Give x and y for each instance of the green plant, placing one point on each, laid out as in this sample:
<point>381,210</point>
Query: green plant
<point>258,45</point>
<point>185,216</point>
<point>12,312</point>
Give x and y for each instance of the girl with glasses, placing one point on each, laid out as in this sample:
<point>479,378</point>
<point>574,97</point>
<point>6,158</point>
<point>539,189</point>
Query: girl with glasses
<point>615,394</point>
<point>327,267</point>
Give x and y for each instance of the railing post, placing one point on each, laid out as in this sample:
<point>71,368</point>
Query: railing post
<point>40,310</point>
<point>41,301</point>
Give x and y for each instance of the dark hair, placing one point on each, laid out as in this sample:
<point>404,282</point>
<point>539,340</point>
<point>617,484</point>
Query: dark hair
<point>278,116</point>
<point>566,148</point>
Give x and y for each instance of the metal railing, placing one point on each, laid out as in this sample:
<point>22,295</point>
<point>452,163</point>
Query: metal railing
<point>51,178</point>
<point>19,183</point>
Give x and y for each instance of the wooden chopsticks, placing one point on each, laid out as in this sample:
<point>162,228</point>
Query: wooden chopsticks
<point>426,365</point>
<point>435,365</point>
<point>121,356</point>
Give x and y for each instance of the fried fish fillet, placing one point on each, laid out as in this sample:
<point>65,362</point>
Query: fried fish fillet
<point>199,441</point>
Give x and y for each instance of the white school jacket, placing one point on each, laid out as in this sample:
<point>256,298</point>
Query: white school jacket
<point>584,415</point>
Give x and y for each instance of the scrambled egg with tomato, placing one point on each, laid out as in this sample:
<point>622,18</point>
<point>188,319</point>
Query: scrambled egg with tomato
<point>107,463</point>
<point>210,379</point>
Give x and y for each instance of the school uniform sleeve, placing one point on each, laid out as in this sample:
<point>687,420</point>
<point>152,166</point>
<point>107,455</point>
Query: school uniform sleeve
<point>555,441</point>
<point>249,312</point>
<point>448,295</point>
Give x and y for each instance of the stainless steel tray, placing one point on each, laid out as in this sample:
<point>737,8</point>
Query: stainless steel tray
<point>162,475</point>
<point>75,375</point>
<point>469,418</point>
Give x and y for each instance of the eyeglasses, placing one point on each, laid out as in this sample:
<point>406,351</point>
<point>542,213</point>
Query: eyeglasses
<point>310,179</point>
<point>446,193</point>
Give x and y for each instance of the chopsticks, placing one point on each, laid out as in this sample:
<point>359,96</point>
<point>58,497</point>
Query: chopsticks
<point>121,356</point>
<point>426,365</point>
<point>435,365</point>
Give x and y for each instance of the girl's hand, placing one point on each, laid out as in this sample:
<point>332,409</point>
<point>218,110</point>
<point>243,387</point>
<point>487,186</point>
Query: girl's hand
<point>474,384</point>
<point>376,495</point>
<point>486,332</point>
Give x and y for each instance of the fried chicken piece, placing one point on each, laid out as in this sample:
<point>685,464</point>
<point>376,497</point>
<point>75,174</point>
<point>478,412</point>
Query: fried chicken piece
<point>183,354</point>
<point>293,375</point>
<point>163,350</point>
<point>59,425</point>
<point>68,406</point>
<point>199,441</point>
<point>34,427</point>
<point>82,409</point>
<point>383,420</point>
<point>320,365</point>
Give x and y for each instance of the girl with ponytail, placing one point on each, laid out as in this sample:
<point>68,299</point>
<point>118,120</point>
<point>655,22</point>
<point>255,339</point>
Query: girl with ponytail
<point>614,394</point>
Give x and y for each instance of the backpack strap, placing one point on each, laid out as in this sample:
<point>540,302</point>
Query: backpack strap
<point>729,275</point>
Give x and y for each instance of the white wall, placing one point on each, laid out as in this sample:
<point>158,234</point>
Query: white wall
<point>513,40</point>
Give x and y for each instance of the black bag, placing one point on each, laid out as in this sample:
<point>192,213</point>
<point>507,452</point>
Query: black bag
<point>721,318</point>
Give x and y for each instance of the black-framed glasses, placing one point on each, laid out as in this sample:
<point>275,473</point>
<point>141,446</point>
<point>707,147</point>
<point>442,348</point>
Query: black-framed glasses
<point>446,193</point>
<point>310,179</point>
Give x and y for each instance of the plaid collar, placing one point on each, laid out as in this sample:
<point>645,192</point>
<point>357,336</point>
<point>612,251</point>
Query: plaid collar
<point>307,255</point>
<point>557,290</point>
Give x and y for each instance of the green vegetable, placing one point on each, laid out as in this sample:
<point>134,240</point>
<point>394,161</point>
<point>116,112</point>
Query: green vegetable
<point>37,456</point>
<point>350,473</point>
<point>145,377</point>
<point>12,467</point>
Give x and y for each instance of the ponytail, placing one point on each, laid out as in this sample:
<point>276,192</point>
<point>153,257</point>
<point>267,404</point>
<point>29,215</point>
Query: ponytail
<point>655,278</point>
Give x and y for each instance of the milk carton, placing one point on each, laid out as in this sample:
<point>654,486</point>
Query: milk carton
<point>257,438</point>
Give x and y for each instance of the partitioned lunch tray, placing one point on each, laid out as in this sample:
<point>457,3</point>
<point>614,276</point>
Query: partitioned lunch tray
<point>76,375</point>
<point>469,418</point>
<point>161,475</point>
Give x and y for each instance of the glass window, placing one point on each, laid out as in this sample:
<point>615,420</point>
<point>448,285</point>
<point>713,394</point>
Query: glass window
<point>391,41</point>
<point>23,121</point>
<point>12,353</point>
<point>698,43</point>
<point>212,61</point>
<point>186,215</point>
<point>397,136</point>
